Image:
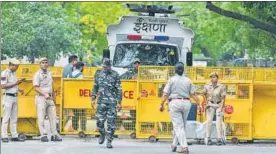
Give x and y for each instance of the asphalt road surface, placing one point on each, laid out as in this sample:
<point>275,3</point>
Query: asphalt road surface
<point>89,145</point>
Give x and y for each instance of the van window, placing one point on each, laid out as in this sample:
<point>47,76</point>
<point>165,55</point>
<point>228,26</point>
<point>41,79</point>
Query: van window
<point>149,54</point>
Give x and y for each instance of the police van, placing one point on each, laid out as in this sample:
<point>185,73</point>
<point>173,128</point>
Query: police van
<point>153,36</point>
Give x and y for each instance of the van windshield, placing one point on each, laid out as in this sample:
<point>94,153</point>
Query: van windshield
<point>149,54</point>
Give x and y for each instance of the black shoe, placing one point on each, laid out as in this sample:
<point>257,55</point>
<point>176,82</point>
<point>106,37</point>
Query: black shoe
<point>5,140</point>
<point>173,148</point>
<point>219,142</point>
<point>56,138</point>
<point>17,139</point>
<point>109,145</point>
<point>209,142</point>
<point>101,139</point>
<point>44,139</point>
<point>189,143</point>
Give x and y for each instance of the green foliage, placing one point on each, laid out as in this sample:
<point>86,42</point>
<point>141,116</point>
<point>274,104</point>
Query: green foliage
<point>94,17</point>
<point>225,36</point>
<point>48,28</point>
<point>36,29</point>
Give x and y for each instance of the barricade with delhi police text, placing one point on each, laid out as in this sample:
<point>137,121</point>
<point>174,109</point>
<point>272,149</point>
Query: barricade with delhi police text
<point>78,117</point>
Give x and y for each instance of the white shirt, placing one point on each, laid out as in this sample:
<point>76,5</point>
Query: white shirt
<point>75,72</point>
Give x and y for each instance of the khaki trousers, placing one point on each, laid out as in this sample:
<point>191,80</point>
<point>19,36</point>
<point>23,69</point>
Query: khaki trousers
<point>10,114</point>
<point>210,113</point>
<point>179,111</point>
<point>46,107</point>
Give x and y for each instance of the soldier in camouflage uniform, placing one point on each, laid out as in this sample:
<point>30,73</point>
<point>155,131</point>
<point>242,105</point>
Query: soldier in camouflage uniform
<point>108,87</point>
<point>132,73</point>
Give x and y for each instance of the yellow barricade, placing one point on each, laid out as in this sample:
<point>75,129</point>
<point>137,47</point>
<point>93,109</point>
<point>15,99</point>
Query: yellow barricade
<point>264,108</point>
<point>238,111</point>
<point>153,124</point>
<point>77,115</point>
<point>89,72</point>
<point>27,123</point>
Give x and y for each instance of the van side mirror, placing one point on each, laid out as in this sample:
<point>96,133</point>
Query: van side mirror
<point>189,59</point>
<point>106,53</point>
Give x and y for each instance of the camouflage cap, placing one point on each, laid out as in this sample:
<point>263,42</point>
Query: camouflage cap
<point>214,74</point>
<point>106,62</point>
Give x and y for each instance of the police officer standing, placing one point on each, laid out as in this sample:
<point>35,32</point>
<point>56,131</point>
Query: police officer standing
<point>79,113</point>
<point>178,90</point>
<point>215,94</point>
<point>132,73</point>
<point>10,84</point>
<point>108,86</point>
<point>43,85</point>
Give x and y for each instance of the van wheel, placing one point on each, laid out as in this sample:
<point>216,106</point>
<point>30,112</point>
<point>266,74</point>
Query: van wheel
<point>82,134</point>
<point>235,140</point>
<point>153,139</point>
<point>133,135</point>
<point>22,136</point>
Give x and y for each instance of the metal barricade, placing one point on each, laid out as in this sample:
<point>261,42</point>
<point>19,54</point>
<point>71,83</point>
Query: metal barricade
<point>153,124</point>
<point>78,117</point>
<point>150,122</point>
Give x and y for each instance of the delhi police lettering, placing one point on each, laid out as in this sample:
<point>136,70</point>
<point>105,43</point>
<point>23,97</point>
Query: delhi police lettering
<point>141,24</point>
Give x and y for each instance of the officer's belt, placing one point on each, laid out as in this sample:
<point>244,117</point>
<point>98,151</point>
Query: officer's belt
<point>178,99</point>
<point>10,94</point>
<point>215,102</point>
<point>48,94</point>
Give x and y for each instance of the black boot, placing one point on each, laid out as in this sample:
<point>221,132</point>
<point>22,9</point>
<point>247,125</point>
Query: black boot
<point>109,144</point>
<point>56,138</point>
<point>5,140</point>
<point>209,141</point>
<point>44,139</point>
<point>219,142</point>
<point>101,138</point>
<point>16,139</point>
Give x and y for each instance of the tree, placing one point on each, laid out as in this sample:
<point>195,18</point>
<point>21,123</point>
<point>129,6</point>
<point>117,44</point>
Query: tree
<point>269,27</point>
<point>36,29</point>
<point>93,19</point>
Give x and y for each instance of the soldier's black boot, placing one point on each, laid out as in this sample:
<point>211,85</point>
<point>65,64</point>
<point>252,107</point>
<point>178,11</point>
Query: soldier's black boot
<point>109,144</point>
<point>56,138</point>
<point>101,138</point>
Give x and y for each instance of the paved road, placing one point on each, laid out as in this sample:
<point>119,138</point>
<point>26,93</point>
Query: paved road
<point>74,145</point>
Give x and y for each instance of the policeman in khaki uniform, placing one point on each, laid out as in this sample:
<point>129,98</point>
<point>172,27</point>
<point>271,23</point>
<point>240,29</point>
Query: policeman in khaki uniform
<point>215,94</point>
<point>10,84</point>
<point>43,84</point>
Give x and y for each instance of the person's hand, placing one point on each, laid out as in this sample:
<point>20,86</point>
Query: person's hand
<point>46,96</point>
<point>161,109</point>
<point>18,82</point>
<point>119,107</point>
<point>200,108</point>
<point>21,91</point>
<point>93,104</point>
